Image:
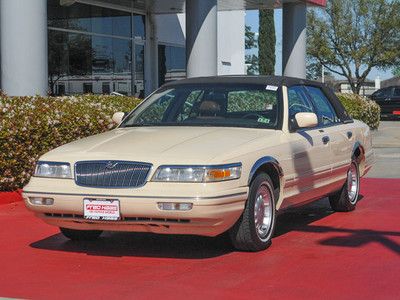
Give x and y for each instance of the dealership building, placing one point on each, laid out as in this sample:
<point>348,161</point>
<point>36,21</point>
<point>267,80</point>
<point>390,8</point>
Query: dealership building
<point>132,46</point>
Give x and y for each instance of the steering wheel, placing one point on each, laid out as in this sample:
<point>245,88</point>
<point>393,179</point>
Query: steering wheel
<point>252,116</point>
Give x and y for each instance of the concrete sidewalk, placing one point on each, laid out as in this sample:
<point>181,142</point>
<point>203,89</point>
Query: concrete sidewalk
<point>386,143</point>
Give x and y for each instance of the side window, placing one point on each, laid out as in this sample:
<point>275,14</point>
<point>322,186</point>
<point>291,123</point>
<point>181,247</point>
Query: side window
<point>325,111</point>
<point>298,101</point>
<point>396,92</point>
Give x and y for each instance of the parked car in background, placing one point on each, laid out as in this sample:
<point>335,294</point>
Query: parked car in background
<point>206,156</point>
<point>389,100</point>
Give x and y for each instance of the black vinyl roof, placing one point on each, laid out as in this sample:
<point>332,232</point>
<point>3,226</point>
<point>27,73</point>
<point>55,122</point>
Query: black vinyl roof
<point>245,79</point>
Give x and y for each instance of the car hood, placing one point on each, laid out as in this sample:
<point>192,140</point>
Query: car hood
<point>172,145</point>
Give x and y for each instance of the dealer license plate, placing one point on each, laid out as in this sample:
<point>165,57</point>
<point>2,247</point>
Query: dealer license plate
<point>104,210</point>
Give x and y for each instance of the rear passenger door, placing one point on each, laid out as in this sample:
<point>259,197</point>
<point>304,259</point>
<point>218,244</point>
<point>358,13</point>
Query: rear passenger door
<point>339,136</point>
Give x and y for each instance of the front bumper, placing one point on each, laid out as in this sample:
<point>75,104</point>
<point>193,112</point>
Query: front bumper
<point>212,213</point>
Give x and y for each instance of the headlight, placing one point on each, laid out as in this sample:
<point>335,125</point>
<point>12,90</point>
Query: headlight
<point>53,169</point>
<point>198,173</point>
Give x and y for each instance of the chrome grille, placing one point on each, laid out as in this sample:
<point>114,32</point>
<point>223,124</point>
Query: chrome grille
<point>111,174</point>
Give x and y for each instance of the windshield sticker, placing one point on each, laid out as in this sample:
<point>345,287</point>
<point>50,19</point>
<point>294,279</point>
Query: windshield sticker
<point>271,88</point>
<point>263,120</point>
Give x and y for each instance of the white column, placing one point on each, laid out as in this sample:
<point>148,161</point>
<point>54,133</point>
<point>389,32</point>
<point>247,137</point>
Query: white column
<point>201,38</point>
<point>294,39</point>
<point>23,32</point>
<point>151,56</point>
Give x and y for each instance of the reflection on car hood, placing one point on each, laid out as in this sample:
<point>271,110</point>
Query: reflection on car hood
<point>159,144</point>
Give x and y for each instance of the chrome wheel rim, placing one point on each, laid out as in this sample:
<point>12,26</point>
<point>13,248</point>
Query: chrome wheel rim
<point>263,211</point>
<point>352,183</point>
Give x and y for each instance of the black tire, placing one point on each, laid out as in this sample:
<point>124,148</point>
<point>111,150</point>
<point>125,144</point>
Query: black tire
<point>80,235</point>
<point>244,234</point>
<point>343,201</point>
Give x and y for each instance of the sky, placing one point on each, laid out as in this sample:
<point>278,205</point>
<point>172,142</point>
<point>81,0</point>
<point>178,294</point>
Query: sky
<point>252,21</point>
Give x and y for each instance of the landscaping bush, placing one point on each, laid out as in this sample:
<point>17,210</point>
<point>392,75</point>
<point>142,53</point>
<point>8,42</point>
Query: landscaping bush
<point>362,109</point>
<point>31,126</point>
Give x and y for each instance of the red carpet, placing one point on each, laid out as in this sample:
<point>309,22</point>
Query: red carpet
<point>10,197</point>
<point>316,254</point>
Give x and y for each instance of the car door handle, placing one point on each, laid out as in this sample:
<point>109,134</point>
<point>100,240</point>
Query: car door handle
<point>349,135</point>
<point>326,139</point>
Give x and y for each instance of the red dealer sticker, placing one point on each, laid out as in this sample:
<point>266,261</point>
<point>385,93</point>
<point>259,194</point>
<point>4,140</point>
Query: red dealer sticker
<point>107,210</point>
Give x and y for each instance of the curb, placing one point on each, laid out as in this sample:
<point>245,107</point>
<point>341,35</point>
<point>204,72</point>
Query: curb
<point>10,197</point>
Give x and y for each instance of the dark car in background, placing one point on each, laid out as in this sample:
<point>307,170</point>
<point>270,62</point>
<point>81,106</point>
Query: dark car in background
<point>389,100</point>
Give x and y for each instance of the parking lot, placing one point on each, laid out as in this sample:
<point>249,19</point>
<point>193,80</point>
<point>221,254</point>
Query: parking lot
<point>315,253</point>
<point>386,142</point>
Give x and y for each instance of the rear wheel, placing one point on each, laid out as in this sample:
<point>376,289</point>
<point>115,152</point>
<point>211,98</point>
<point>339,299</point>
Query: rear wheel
<point>80,235</point>
<point>346,199</point>
<point>254,230</point>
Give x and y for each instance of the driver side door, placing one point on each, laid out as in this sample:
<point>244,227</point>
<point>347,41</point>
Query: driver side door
<point>310,165</point>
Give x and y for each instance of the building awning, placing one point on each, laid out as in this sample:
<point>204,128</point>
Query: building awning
<point>178,6</point>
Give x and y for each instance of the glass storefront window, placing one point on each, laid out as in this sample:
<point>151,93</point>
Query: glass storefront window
<point>139,26</point>
<point>102,55</point>
<point>139,70</point>
<point>91,50</point>
<point>171,63</point>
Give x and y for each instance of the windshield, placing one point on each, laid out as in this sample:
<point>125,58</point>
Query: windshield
<point>209,105</point>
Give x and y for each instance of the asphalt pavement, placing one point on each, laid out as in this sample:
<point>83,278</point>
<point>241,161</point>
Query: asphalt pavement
<point>386,143</point>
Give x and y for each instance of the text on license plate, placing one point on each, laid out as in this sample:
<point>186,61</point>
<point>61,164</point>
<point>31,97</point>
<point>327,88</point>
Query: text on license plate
<point>107,210</point>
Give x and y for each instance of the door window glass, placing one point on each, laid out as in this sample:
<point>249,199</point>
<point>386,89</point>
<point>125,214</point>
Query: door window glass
<point>298,101</point>
<point>326,113</point>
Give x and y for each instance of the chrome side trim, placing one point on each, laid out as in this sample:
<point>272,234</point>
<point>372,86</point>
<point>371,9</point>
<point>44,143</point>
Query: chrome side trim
<point>263,161</point>
<point>138,197</point>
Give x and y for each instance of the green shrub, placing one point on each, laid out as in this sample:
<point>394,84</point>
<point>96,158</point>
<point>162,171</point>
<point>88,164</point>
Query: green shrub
<point>31,126</point>
<point>362,109</point>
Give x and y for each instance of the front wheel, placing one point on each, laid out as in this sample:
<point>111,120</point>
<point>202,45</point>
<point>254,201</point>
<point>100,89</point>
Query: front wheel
<point>254,230</point>
<point>80,235</point>
<point>346,199</point>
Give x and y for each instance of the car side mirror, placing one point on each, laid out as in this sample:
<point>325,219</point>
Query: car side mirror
<point>118,117</point>
<point>306,120</point>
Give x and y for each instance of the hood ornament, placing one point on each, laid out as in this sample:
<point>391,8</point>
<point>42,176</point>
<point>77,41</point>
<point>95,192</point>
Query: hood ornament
<point>111,165</point>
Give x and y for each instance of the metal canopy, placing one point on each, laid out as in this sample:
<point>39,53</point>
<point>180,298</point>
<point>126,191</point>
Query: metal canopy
<point>178,6</point>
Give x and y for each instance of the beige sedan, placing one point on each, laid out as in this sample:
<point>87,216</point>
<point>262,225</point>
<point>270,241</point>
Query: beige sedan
<point>206,156</point>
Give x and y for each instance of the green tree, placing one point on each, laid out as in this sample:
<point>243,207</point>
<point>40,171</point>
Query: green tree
<point>68,55</point>
<point>396,71</point>
<point>252,64</point>
<point>352,37</point>
<point>250,38</point>
<point>251,59</point>
<point>314,69</point>
<point>266,42</point>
